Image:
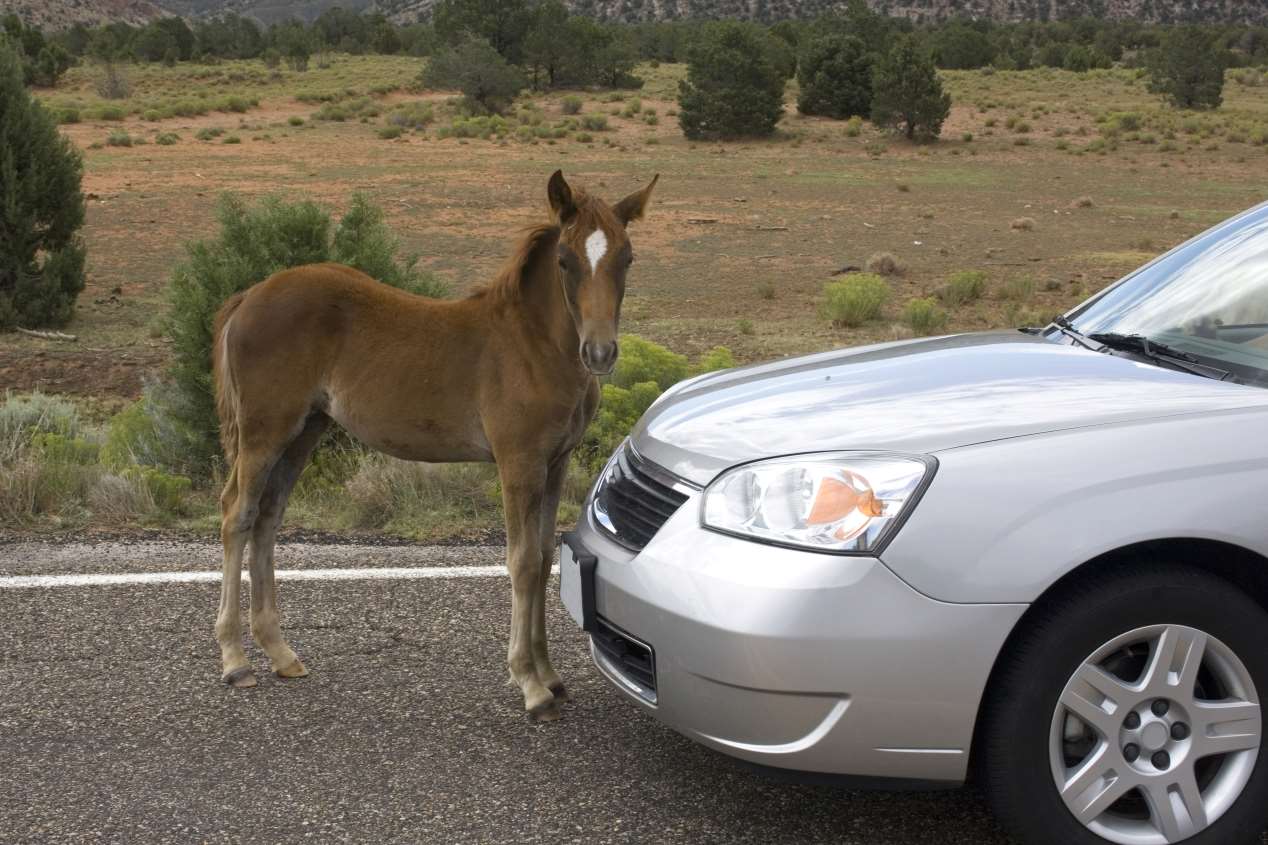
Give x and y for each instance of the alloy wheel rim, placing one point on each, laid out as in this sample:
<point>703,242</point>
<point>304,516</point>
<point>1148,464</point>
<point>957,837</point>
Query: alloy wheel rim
<point>1155,735</point>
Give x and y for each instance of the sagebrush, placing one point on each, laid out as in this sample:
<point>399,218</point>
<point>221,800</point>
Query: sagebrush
<point>924,316</point>
<point>854,300</point>
<point>963,287</point>
<point>52,472</point>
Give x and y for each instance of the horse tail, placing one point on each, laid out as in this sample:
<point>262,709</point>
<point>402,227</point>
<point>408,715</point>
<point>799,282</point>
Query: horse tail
<point>226,390</point>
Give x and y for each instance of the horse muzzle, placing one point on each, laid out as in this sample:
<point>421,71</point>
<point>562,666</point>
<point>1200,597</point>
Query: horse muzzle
<point>599,358</point>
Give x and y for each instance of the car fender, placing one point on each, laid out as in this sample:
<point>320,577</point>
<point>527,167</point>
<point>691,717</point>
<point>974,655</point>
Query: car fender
<point>1004,520</point>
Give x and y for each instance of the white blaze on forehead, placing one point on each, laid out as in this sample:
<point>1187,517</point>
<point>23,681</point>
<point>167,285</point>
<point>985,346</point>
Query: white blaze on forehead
<point>596,248</point>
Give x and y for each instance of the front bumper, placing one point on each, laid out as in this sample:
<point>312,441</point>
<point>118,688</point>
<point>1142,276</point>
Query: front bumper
<point>798,660</point>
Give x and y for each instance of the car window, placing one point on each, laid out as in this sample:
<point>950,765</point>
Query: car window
<point>1207,297</point>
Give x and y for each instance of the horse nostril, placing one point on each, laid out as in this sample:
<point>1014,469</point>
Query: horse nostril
<point>598,355</point>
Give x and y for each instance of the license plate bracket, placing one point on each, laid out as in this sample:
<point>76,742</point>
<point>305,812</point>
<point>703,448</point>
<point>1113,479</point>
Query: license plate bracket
<point>577,566</point>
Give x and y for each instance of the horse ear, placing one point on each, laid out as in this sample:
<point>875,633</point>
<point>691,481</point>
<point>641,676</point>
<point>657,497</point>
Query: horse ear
<point>560,196</point>
<point>632,207</point>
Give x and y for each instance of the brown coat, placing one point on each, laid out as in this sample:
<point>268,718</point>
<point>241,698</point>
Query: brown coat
<point>506,375</point>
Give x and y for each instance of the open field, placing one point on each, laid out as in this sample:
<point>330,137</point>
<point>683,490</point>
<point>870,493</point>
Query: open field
<point>1050,182</point>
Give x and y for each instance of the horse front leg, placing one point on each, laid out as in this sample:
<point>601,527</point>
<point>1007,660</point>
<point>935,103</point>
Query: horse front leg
<point>523,495</point>
<point>546,673</point>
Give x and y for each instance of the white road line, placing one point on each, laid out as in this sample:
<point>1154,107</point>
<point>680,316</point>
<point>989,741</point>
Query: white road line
<point>109,579</point>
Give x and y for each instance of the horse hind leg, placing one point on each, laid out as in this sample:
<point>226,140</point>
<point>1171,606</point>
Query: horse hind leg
<point>233,660</point>
<point>266,621</point>
<point>239,508</point>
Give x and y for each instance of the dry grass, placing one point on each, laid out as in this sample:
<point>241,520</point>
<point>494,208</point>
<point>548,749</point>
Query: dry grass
<point>1020,289</point>
<point>417,500</point>
<point>119,498</point>
<point>885,264</point>
<point>424,501</point>
<point>24,416</point>
<point>51,475</point>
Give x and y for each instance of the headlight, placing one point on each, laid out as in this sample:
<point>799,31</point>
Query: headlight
<point>837,502</point>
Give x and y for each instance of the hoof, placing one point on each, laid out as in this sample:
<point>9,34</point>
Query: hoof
<point>295,670</point>
<point>560,692</point>
<point>546,712</point>
<point>242,678</point>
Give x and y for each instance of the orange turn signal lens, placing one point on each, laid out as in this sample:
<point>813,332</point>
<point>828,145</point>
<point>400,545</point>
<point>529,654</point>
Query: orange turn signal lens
<point>842,501</point>
<point>836,499</point>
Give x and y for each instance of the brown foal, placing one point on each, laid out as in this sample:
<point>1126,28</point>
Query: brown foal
<point>507,375</point>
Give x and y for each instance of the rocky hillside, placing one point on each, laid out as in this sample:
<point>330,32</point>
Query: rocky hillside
<point>58,13</point>
<point>1152,11</point>
<point>265,11</point>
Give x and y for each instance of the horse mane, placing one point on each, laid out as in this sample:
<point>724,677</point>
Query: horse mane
<point>508,285</point>
<point>509,281</point>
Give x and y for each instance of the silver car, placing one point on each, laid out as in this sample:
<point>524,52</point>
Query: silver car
<point>1036,558</point>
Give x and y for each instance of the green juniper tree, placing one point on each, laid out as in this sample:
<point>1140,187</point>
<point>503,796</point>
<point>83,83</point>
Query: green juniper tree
<point>41,208</point>
<point>614,58</point>
<point>834,74</point>
<point>546,47</point>
<point>907,94</point>
<point>152,43</point>
<point>732,88</point>
<point>49,65</point>
<point>43,61</point>
<point>872,28</point>
<point>961,46</point>
<point>487,81</point>
<point>1081,59</point>
<point>502,23</point>
<point>1188,69</point>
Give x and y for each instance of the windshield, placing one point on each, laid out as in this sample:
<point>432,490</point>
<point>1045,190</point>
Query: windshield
<point>1207,298</point>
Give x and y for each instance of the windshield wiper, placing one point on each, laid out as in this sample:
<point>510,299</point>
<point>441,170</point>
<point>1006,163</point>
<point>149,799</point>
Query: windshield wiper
<point>1067,328</point>
<point>1161,352</point>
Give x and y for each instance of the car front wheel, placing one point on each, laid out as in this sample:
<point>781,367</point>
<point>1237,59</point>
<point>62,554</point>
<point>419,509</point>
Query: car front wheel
<point>1128,711</point>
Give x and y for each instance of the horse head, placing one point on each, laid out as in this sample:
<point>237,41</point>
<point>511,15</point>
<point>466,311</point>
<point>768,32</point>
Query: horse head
<point>595,254</point>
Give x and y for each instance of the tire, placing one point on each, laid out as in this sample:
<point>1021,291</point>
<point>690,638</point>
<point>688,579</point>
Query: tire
<point>1101,633</point>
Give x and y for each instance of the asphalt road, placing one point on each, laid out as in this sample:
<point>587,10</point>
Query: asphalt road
<point>114,726</point>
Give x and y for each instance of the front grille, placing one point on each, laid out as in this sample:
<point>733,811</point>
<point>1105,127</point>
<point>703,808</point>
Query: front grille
<point>628,657</point>
<point>634,499</point>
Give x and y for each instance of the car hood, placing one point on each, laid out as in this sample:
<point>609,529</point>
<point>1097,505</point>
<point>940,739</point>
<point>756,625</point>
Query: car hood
<point>913,396</point>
